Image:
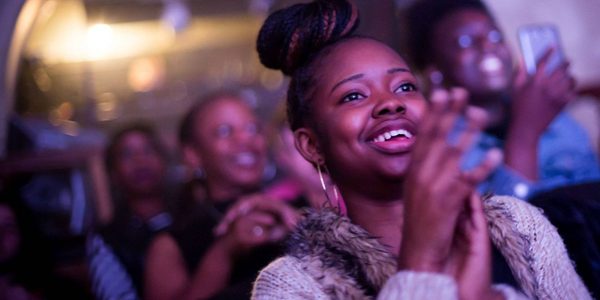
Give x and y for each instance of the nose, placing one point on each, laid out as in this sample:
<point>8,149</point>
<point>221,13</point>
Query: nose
<point>389,106</point>
<point>246,135</point>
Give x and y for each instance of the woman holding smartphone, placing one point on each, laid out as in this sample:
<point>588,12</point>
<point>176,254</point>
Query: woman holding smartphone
<point>457,43</point>
<point>415,226</point>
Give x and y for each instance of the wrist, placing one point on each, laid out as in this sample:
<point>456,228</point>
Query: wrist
<point>420,261</point>
<point>227,245</point>
<point>523,133</point>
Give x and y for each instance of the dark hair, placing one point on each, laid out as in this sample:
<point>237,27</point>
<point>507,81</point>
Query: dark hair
<point>422,19</point>
<point>110,154</point>
<point>187,127</point>
<point>293,38</point>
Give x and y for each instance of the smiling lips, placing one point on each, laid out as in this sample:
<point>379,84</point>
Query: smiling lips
<point>386,136</point>
<point>393,140</point>
<point>245,159</point>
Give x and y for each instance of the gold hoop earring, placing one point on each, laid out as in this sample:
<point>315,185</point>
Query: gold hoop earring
<point>334,188</point>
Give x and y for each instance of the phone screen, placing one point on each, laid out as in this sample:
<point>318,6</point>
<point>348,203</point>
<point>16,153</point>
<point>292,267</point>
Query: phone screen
<point>535,40</point>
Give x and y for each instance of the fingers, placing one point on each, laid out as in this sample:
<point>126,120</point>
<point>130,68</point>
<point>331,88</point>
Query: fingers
<point>445,108</point>
<point>475,119</point>
<point>258,202</point>
<point>542,63</point>
<point>476,175</point>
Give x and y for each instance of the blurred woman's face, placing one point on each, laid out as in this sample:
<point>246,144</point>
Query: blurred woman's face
<point>366,108</point>
<point>230,144</point>
<point>139,168</point>
<point>10,237</point>
<point>470,51</point>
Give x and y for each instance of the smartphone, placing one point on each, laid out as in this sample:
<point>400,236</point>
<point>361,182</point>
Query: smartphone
<point>535,40</point>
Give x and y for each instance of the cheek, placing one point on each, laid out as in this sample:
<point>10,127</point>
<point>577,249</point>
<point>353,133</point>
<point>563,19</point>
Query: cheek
<point>466,62</point>
<point>343,134</point>
<point>260,144</point>
<point>418,107</point>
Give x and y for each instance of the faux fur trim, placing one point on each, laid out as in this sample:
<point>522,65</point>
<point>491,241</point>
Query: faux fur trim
<point>346,260</point>
<point>350,263</point>
<point>514,245</point>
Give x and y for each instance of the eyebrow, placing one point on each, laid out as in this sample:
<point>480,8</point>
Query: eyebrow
<point>353,77</point>
<point>396,70</point>
<point>357,76</point>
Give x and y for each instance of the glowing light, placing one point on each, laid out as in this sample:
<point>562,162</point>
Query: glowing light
<point>106,107</point>
<point>99,40</point>
<point>146,74</point>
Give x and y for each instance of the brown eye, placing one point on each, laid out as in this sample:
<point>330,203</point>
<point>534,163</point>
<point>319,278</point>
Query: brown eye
<point>223,131</point>
<point>465,41</point>
<point>352,97</point>
<point>406,87</point>
<point>494,36</point>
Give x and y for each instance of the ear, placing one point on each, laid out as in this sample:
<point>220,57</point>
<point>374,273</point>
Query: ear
<point>308,146</point>
<point>435,77</point>
<point>191,157</point>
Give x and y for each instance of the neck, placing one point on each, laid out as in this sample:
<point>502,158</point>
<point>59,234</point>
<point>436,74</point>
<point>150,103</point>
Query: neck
<point>218,192</point>
<point>383,219</point>
<point>146,207</point>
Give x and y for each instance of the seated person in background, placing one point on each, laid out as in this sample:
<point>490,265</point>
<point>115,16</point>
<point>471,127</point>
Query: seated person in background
<point>415,227</point>
<point>300,182</point>
<point>457,43</point>
<point>29,269</point>
<point>136,162</point>
<point>220,242</point>
<point>22,270</point>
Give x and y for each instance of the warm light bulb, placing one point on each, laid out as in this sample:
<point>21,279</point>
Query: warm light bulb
<point>99,40</point>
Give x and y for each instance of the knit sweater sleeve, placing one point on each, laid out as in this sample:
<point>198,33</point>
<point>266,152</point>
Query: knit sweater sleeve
<point>284,279</point>
<point>533,249</point>
<point>421,285</point>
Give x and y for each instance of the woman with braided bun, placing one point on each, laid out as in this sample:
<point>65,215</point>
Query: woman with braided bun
<point>415,226</point>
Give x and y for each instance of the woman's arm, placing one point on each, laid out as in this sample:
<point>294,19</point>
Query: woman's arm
<point>165,275</point>
<point>252,222</point>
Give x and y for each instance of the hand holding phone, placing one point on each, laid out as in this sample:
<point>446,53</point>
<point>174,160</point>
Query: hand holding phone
<point>535,41</point>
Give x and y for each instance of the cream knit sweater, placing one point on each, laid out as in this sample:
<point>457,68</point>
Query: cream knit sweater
<point>530,244</point>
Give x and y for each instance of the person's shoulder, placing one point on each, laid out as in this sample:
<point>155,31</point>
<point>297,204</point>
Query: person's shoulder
<point>281,270</point>
<point>286,278</point>
<point>514,215</point>
<point>511,205</point>
<point>533,248</point>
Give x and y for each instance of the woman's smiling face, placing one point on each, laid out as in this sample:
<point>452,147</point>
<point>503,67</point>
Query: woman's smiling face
<point>366,107</point>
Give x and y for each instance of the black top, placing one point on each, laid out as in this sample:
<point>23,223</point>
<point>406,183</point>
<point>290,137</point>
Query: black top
<point>129,237</point>
<point>194,235</point>
<point>575,211</point>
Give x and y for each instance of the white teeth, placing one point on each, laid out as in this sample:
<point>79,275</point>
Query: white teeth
<point>392,133</point>
<point>490,64</point>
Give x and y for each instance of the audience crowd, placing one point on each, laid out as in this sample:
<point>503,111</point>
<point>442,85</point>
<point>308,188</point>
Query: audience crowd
<point>398,177</point>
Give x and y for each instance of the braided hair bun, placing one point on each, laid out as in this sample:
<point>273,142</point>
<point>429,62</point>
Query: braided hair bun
<point>291,36</point>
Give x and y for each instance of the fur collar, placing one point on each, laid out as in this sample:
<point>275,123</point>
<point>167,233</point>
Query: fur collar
<point>350,263</point>
<point>346,260</point>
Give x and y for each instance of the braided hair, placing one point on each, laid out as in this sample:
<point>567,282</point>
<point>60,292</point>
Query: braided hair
<point>293,39</point>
